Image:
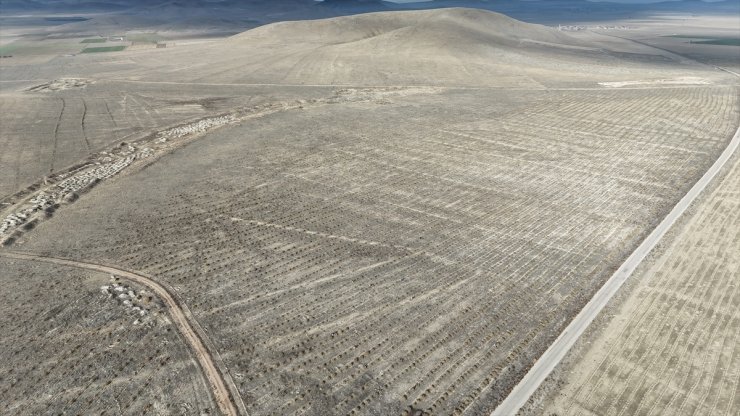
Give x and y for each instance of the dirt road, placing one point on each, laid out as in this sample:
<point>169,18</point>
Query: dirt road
<point>216,378</point>
<point>547,362</point>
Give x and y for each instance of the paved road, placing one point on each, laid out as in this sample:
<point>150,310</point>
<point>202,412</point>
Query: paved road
<point>179,314</point>
<point>547,362</point>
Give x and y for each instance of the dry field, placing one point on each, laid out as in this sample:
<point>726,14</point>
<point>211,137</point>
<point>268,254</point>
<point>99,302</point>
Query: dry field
<point>49,126</point>
<point>47,132</point>
<point>725,56</point>
<point>418,250</point>
<point>683,39</point>
<point>410,239</point>
<point>71,348</point>
<point>672,347</point>
<point>678,34</point>
<point>450,47</point>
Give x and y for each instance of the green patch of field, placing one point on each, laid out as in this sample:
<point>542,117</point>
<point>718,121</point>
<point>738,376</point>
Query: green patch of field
<point>94,40</point>
<point>708,40</point>
<point>724,41</point>
<point>8,49</point>
<point>104,49</point>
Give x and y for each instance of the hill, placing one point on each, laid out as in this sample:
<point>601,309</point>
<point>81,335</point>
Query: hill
<point>475,26</point>
<point>454,46</point>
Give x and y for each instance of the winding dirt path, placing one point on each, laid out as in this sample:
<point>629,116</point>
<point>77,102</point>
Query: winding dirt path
<point>228,400</point>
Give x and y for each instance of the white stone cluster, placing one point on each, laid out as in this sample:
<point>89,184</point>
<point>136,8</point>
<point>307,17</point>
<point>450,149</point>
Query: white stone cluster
<point>576,28</point>
<point>145,153</point>
<point>16,219</point>
<point>99,172</point>
<point>126,296</point>
<point>61,84</point>
<point>13,220</point>
<point>106,167</point>
<point>196,127</point>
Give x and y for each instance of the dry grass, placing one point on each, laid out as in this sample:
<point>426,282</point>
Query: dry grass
<point>408,241</point>
<point>672,347</point>
<point>85,349</point>
<point>391,254</point>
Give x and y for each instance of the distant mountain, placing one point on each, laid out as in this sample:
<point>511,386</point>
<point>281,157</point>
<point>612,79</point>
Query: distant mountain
<point>563,11</point>
<point>357,6</point>
<point>237,15</point>
<point>20,5</point>
<point>67,6</point>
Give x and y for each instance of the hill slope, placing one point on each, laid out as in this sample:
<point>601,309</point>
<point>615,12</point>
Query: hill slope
<point>454,46</point>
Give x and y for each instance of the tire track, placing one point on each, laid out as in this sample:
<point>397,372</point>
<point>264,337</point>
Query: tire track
<point>84,132</point>
<point>56,137</point>
<point>107,109</point>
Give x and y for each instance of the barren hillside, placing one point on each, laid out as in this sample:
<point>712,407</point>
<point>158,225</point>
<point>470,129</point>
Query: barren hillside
<point>443,47</point>
<point>451,47</point>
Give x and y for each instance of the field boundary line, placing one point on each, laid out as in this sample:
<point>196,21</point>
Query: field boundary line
<point>229,401</point>
<point>727,70</point>
<point>547,362</point>
<point>56,135</point>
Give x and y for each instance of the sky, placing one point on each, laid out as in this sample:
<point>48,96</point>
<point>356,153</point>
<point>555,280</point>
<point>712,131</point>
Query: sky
<point>611,1</point>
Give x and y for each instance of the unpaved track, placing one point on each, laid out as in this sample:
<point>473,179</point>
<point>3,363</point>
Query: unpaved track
<point>179,313</point>
<point>557,351</point>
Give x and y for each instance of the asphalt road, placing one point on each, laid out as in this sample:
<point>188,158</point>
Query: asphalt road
<point>547,362</point>
<point>216,379</point>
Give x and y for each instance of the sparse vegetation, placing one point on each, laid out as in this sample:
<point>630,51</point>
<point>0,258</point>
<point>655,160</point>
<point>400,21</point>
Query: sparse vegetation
<point>61,332</point>
<point>393,213</point>
<point>672,347</point>
<point>419,270</point>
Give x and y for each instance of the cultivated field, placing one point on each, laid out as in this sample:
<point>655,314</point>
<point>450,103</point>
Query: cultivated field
<point>50,126</point>
<point>72,346</point>
<point>672,347</point>
<point>401,231</point>
<point>710,39</point>
<point>417,250</point>
<point>103,49</point>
